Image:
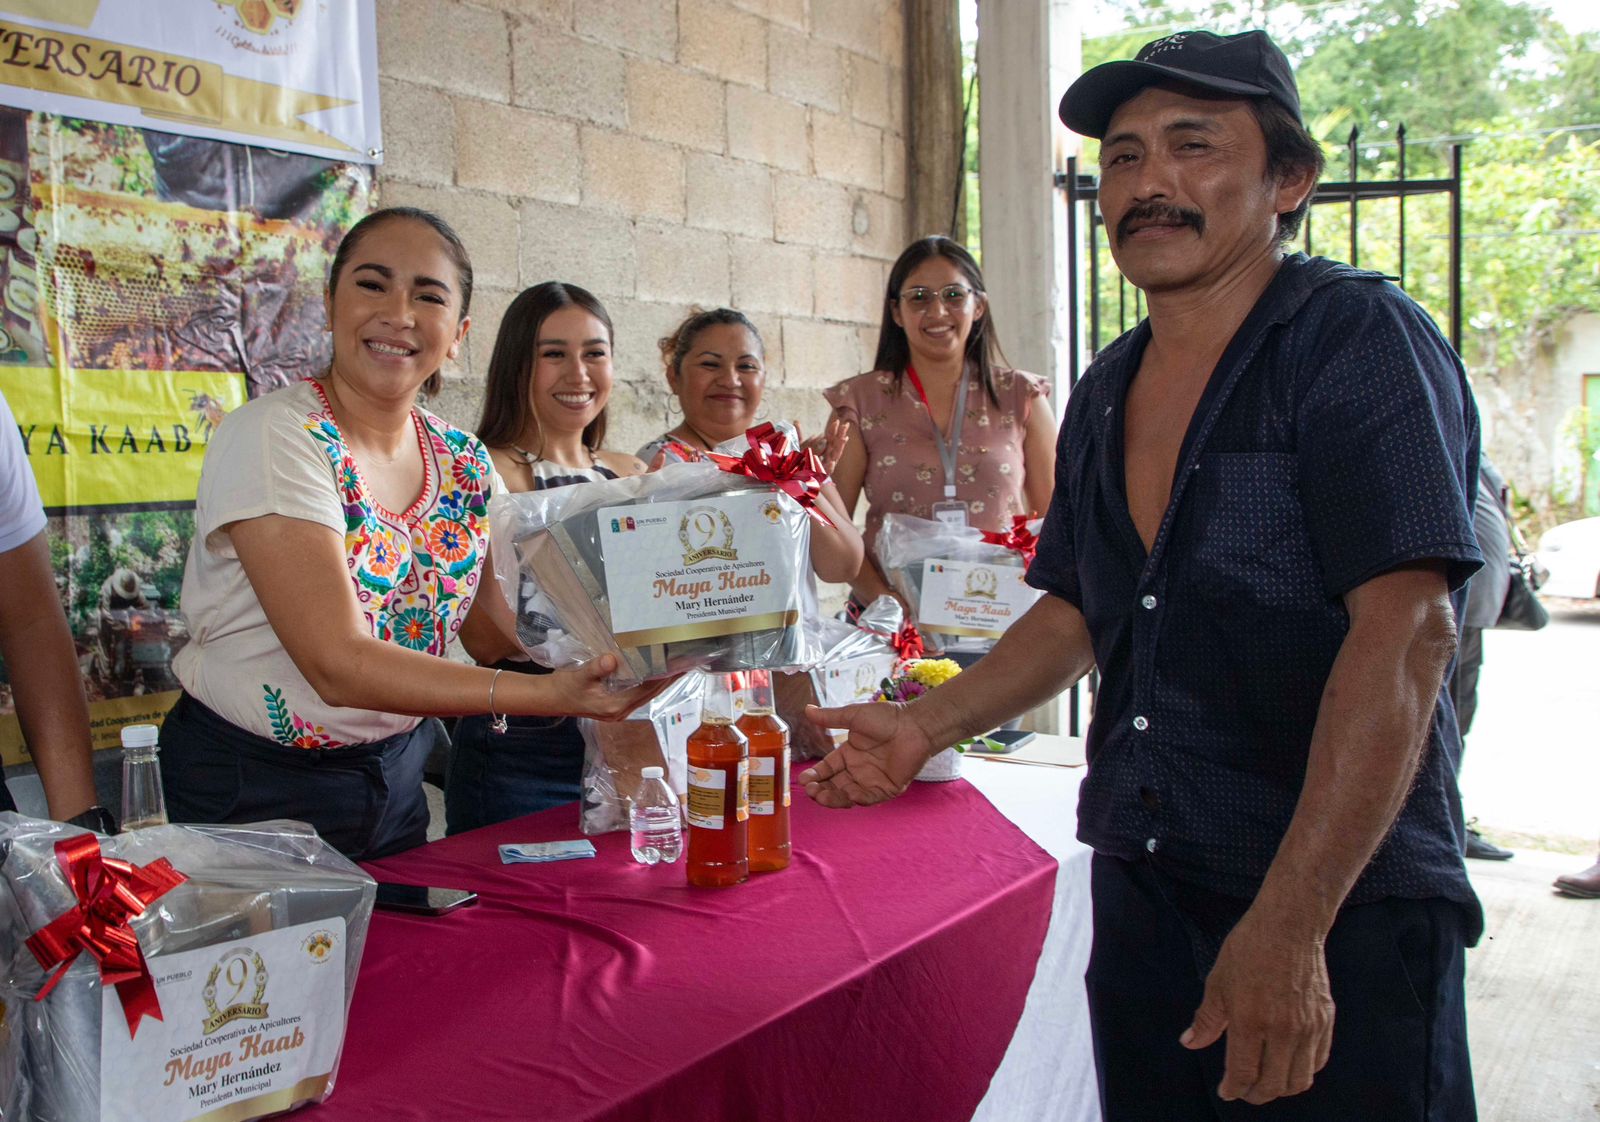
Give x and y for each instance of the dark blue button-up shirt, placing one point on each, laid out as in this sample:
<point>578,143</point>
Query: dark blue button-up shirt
<point>1337,439</point>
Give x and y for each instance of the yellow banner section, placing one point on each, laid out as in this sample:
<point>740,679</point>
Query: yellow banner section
<point>106,719</point>
<point>103,438</point>
<point>79,13</point>
<point>162,85</point>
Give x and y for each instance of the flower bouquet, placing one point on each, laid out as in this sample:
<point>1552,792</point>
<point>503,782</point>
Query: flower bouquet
<point>916,678</point>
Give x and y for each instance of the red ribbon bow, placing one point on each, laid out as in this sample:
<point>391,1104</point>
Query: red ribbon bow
<point>795,471</point>
<point>110,894</point>
<point>907,642</point>
<point>1019,539</point>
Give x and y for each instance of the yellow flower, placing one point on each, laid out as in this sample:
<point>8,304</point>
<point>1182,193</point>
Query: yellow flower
<point>933,672</point>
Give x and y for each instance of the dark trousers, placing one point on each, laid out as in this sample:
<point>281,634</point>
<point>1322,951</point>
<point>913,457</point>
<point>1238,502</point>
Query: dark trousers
<point>536,764</point>
<point>6,802</point>
<point>1395,968</point>
<point>365,800</point>
<point>1464,683</point>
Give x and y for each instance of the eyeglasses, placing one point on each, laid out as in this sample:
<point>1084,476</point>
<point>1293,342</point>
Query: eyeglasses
<point>951,295</point>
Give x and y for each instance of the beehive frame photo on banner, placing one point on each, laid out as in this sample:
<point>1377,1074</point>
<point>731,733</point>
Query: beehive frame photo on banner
<point>151,281</point>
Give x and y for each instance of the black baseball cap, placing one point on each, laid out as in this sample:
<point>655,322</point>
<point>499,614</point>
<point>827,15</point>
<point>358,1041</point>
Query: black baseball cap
<point>1246,65</point>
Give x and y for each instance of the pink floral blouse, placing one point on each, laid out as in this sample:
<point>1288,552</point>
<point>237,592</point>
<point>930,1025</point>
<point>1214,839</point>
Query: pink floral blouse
<point>904,473</point>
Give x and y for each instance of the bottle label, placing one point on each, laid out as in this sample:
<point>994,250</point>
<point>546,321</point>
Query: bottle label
<point>744,790</point>
<point>708,788</point>
<point>783,780</point>
<point>763,773</point>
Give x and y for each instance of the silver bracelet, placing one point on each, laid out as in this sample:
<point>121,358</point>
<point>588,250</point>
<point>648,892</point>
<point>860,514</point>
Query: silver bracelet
<point>497,721</point>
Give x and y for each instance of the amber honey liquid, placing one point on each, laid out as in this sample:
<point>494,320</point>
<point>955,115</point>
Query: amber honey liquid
<point>719,805</point>
<point>769,790</point>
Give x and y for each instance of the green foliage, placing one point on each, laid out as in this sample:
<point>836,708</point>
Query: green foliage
<point>153,544</point>
<point>1436,67</point>
<point>1500,74</point>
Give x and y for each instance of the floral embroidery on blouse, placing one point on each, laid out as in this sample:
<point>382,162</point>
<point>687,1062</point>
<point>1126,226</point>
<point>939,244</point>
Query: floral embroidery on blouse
<point>291,729</point>
<point>416,573</point>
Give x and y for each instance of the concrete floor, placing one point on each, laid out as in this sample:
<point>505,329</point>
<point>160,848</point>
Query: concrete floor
<point>1533,993</point>
<point>1532,780</point>
<point>1531,773</point>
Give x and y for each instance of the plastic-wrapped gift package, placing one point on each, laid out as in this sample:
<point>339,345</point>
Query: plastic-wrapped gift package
<point>964,585</point>
<point>855,660</point>
<point>614,752</point>
<point>686,568</point>
<point>179,972</point>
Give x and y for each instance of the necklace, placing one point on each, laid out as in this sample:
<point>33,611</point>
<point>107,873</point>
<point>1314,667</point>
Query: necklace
<point>530,458</point>
<point>705,445</point>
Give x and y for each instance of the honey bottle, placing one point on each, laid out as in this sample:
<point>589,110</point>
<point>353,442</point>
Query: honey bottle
<point>769,773</point>
<point>719,792</point>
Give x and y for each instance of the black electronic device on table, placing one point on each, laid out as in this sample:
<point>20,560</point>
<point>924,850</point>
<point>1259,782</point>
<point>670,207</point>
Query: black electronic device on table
<point>1008,740</point>
<point>420,900</point>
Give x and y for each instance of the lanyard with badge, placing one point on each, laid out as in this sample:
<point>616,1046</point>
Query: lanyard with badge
<point>951,510</point>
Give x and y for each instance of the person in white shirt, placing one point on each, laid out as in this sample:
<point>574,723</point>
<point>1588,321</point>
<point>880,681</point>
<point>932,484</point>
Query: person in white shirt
<point>36,644</point>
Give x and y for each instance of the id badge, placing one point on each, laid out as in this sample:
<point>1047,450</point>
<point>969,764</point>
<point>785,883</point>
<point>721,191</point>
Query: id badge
<point>952,512</point>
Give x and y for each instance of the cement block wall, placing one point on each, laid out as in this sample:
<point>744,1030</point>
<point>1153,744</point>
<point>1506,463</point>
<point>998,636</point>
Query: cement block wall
<point>661,153</point>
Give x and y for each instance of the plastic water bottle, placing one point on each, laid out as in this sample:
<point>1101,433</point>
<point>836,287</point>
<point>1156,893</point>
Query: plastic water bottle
<point>654,821</point>
<point>142,801</point>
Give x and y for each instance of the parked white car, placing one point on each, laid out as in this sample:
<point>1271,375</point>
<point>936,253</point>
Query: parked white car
<point>1571,552</point>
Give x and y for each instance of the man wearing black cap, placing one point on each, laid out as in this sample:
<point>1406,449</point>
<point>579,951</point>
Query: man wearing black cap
<point>1260,534</point>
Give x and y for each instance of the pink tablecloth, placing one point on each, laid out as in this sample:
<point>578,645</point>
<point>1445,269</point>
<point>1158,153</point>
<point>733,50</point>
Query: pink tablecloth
<point>879,977</point>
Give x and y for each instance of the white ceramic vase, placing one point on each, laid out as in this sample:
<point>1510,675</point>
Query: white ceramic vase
<point>943,767</point>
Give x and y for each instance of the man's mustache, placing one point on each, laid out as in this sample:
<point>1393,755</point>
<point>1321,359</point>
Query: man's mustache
<point>1162,213</point>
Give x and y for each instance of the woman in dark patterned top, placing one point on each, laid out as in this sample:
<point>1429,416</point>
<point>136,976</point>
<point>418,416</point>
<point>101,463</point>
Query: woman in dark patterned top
<point>544,419</point>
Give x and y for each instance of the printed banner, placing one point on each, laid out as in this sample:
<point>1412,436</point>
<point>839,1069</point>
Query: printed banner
<point>969,598</point>
<point>297,75</point>
<point>852,682</point>
<point>247,1028</point>
<point>699,568</point>
<point>149,283</point>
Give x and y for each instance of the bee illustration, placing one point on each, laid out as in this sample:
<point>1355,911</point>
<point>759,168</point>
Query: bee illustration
<point>208,409</point>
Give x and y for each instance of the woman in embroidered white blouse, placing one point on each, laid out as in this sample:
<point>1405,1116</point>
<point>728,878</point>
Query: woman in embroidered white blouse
<point>340,538</point>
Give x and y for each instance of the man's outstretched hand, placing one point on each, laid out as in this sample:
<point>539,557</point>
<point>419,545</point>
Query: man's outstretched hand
<point>884,752</point>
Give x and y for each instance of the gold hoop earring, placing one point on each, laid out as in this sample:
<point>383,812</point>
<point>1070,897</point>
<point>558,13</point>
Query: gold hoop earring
<point>672,399</point>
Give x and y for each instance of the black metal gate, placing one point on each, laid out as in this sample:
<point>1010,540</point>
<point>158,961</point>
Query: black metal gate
<point>1086,241</point>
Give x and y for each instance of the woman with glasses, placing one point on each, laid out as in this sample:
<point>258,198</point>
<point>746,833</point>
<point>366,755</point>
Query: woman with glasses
<point>942,428</point>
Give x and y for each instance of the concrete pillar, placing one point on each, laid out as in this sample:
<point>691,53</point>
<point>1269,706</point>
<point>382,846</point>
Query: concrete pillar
<point>934,136</point>
<point>1029,51</point>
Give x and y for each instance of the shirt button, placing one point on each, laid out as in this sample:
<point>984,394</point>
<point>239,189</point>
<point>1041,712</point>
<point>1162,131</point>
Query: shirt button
<point>1151,845</point>
<point>1141,723</point>
<point>1148,601</point>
